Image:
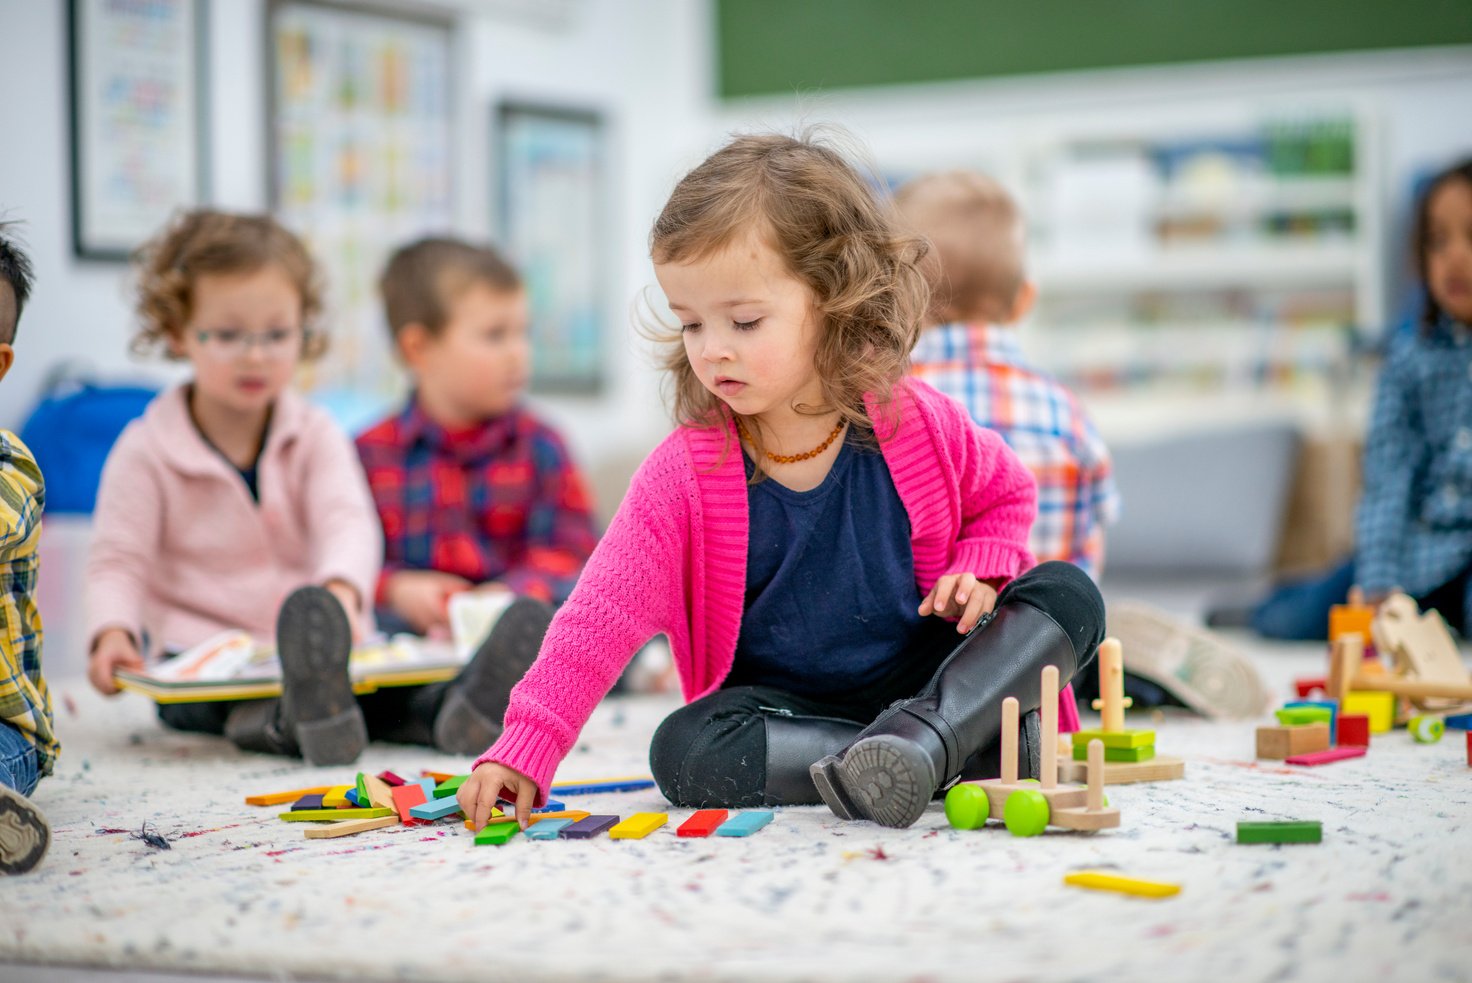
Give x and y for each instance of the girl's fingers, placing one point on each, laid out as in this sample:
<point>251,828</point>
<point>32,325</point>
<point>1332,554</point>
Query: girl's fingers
<point>526,796</point>
<point>943,588</point>
<point>964,585</point>
<point>927,606</point>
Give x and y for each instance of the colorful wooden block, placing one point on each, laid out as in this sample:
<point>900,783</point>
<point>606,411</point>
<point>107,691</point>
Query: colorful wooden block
<point>1277,743</point>
<point>745,824</point>
<point>308,802</point>
<point>436,809</point>
<point>428,784</point>
<point>406,797</point>
<point>588,827</point>
<point>348,827</point>
<point>362,789</point>
<point>1469,749</point>
<point>1378,706</point>
<point>352,797</point>
<point>638,826</point>
<point>280,798</point>
<point>1298,716</point>
<point>547,829</point>
<point>333,815</point>
<point>1293,831</point>
<point>497,834</point>
<point>1113,738</point>
<point>1100,880</point>
<point>1329,705</point>
<point>703,823</point>
<point>1459,721</point>
<point>336,796</point>
<point>380,793</point>
<point>1326,757</point>
<point>609,785</point>
<point>1128,754</point>
<point>449,786</point>
<point>390,779</point>
<point>1354,730</point>
<point>551,805</point>
<point>1351,619</point>
<point>1306,686</point>
<point>436,776</point>
<point>497,816</point>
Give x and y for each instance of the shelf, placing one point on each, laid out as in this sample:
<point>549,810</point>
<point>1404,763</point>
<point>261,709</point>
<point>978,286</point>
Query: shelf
<point>1198,268</point>
<point>1260,195</point>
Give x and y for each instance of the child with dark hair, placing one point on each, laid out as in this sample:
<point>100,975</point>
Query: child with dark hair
<point>28,745</point>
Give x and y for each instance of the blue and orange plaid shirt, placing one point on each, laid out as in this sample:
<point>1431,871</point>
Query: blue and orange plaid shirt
<point>500,501</point>
<point>982,367</point>
<point>25,703</point>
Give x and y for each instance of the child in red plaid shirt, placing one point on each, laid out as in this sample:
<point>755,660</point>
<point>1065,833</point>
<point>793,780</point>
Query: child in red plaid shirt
<point>474,492</point>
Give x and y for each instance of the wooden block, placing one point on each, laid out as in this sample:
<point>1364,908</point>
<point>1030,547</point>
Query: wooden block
<point>436,776</point>
<point>548,829</point>
<point>551,805</point>
<point>573,814</point>
<point>428,785</point>
<point>349,826</point>
<point>1459,721</point>
<point>1469,749</point>
<point>589,827</point>
<point>1350,619</point>
<point>280,798</point>
<point>449,786</point>
<point>1084,820</point>
<point>1306,686</point>
<point>745,823</point>
<point>1101,880</point>
<point>407,797</point>
<point>497,816</point>
<point>1378,706</point>
<point>1163,769</point>
<point>380,793</point>
<point>1326,757</point>
<point>313,801</point>
<point>1354,730</point>
<point>1330,705</point>
<point>1113,738</point>
<point>1143,753</point>
<point>1059,797</point>
<point>1277,743</point>
<point>390,779</point>
<point>608,785</point>
<point>497,834</point>
<point>702,823</point>
<point>1300,715</point>
<point>333,815</point>
<point>437,809</point>
<point>336,796</point>
<point>1294,831</point>
<point>362,789</point>
<point>638,826</point>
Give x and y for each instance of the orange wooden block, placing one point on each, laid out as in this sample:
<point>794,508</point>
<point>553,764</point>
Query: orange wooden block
<point>279,798</point>
<point>440,777</point>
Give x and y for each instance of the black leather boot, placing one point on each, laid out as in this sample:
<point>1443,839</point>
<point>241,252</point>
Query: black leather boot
<point>470,719</point>
<point>987,763</point>
<point>1052,615</point>
<point>318,708</point>
<point>793,744</point>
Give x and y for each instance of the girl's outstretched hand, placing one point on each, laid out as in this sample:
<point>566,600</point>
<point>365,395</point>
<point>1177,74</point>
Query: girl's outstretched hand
<point>490,782</point>
<point>113,650</point>
<point>960,595</point>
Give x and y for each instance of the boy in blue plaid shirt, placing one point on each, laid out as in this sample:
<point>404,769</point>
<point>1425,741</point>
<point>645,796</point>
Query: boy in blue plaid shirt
<point>28,744</point>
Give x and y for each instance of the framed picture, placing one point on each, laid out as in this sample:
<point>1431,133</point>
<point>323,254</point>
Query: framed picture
<point>361,121</point>
<point>550,209</point>
<point>137,133</point>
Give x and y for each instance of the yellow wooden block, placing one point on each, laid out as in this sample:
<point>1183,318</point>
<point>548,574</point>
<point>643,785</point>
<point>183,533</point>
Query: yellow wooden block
<point>336,797</point>
<point>1378,706</point>
<point>638,826</point>
<point>1100,880</point>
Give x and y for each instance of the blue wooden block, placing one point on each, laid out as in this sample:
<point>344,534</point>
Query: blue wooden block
<point>1333,708</point>
<point>308,802</point>
<point>586,829</point>
<point>547,829</point>
<point>435,808</point>
<point>428,784</point>
<point>1460,721</point>
<point>622,785</point>
<point>744,824</point>
<point>554,806</point>
<point>352,796</point>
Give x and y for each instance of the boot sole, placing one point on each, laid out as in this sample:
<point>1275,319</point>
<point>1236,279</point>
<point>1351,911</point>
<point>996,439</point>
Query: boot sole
<point>888,780</point>
<point>314,641</point>
<point>24,833</point>
<point>473,714</point>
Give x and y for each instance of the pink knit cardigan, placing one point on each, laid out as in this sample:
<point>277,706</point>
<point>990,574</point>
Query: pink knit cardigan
<point>674,562</point>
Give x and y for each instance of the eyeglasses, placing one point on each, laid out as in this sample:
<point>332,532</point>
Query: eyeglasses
<point>233,343</point>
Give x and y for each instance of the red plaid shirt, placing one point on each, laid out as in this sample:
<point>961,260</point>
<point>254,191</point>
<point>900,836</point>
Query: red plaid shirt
<point>500,501</point>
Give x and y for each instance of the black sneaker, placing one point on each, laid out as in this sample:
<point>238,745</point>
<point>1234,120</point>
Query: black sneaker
<point>24,833</point>
<point>471,718</point>
<point>314,641</point>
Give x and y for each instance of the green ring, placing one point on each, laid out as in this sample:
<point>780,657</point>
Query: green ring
<point>1026,812</point>
<point>1427,730</point>
<point>967,807</point>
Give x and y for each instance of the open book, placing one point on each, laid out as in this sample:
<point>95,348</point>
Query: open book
<point>235,666</point>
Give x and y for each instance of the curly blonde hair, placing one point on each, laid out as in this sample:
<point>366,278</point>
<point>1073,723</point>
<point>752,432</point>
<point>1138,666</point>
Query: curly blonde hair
<point>834,234</point>
<point>205,241</point>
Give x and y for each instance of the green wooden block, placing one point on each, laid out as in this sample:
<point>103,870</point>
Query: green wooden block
<point>362,790</point>
<point>1298,716</point>
<point>333,815</point>
<point>496,834</point>
<point>1127,754</point>
<point>1295,831</point>
<point>449,786</point>
<point>1114,738</point>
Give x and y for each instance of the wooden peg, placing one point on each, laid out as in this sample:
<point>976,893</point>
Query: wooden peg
<point>1049,708</point>
<point>1112,701</point>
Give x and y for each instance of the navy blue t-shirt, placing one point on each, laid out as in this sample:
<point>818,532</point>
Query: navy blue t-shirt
<point>830,580</point>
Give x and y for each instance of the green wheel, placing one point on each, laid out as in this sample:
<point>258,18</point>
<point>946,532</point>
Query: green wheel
<point>1026,812</point>
<point>1426,729</point>
<point>967,807</point>
<point>1030,781</point>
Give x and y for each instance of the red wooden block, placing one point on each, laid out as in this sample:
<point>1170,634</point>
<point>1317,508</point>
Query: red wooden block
<point>1354,730</point>
<point>703,823</point>
<point>1469,749</point>
<point>390,779</point>
<point>1325,757</point>
<point>1308,684</point>
<point>407,797</point>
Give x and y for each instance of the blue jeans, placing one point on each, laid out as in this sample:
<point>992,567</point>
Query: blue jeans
<point>17,760</point>
<point>1299,610</point>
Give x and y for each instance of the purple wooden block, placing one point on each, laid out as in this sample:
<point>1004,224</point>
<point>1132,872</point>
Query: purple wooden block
<point>586,829</point>
<point>308,802</point>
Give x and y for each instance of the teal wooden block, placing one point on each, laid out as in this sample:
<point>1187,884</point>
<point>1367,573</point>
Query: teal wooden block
<point>435,809</point>
<point>547,829</point>
<point>745,824</point>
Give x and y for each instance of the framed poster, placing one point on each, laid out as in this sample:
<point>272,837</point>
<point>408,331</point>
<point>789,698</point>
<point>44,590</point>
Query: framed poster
<point>361,124</point>
<point>137,137</point>
<point>551,220</point>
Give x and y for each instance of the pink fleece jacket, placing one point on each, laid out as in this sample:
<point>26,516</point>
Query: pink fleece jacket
<point>674,562</point>
<point>179,549</point>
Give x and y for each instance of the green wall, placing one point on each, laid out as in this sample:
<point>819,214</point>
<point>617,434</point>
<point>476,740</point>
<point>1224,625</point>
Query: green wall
<point>782,46</point>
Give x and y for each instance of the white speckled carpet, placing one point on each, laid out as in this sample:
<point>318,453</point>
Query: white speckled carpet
<point>1387,895</point>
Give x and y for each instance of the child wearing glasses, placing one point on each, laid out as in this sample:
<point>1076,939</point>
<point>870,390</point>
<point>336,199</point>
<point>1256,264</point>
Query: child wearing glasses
<point>232,503</point>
